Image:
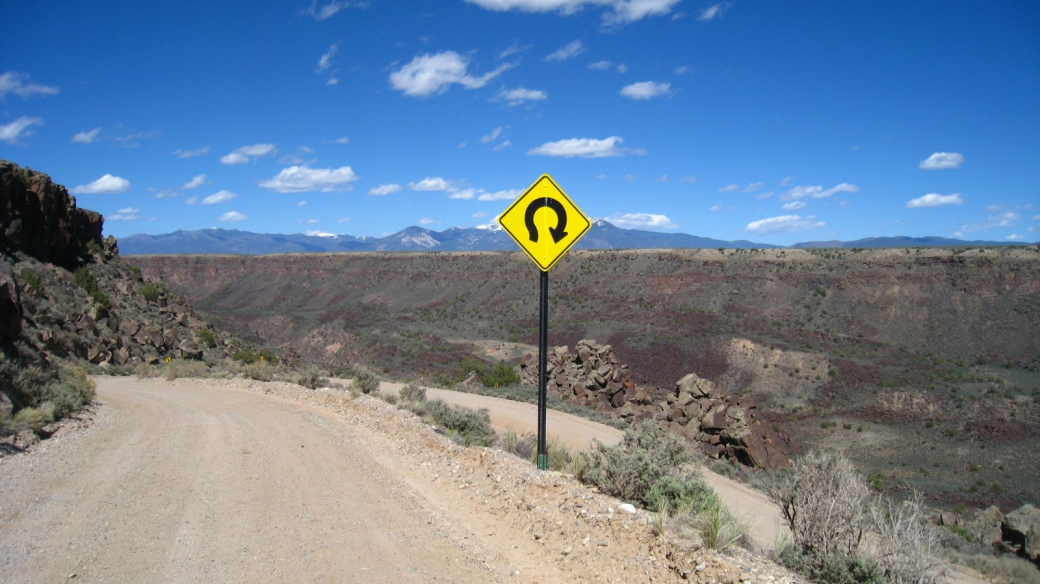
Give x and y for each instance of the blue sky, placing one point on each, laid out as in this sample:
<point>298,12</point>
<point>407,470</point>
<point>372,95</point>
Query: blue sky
<point>776,122</point>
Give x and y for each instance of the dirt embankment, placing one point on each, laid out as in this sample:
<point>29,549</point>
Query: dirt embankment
<point>244,481</point>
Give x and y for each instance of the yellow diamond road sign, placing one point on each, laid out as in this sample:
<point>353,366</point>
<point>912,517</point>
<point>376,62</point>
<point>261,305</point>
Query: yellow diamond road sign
<point>544,222</point>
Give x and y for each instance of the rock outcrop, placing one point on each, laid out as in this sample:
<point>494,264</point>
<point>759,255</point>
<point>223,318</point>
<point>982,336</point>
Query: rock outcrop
<point>41,219</point>
<point>719,425</point>
<point>1021,533</point>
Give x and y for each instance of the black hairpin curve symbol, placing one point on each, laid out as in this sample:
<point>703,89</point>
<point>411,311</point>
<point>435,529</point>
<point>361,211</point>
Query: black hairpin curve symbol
<point>557,232</point>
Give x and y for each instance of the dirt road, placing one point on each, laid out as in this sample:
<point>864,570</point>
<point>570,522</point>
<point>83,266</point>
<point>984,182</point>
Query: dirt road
<point>191,484</point>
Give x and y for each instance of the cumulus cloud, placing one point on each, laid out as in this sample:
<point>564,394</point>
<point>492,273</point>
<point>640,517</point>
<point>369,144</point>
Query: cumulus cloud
<point>11,132</point>
<point>786,181</point>
<point>192,201</point>
<point>503,146</point>
<point>518,96</point>
<point>764,195</point>
<point>1004,219</point>
<point>730,188</point>
<point>752,187</point>
<point>430,74</point>
<point>435,183</point>
<point>191,153</point>
<point>935,200</point>
<point>342,140</point>
<point>219,197</point>
<point>817,192</point>
<point>127,214</point>
<point>507,195</point>
<point>581,147</point>
<point>794,205</point>
<point>298,179</point>
<point>232,216</point>
<point>427,221</point>
<point>682,70</point>
<point>714,11</point>
<point>326,60</point>
<point>309,222</point>
<point>624,11</point>
<point>11,82</point>
<point>195,183</point>
<point>942,161</point>
<point>247,153</point>
<point>329,10</point>
<point>600,65</point>
<point>491,136</point>
<point>382,190</point>
<point>641,221</point>
<point>715,208</point>
<point>573,49</point>
<point>86,137</point>
<point>106,185</point>
<point>645,90</point>
<point>784,224</point>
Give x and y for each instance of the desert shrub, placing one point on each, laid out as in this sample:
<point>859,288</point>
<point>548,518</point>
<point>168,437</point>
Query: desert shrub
<point>907,543</point>
<point>413,393</point>
<point>646,455</point>
<point>468,426</point>
<point>259,371</point>
<point>525,446</point>
<point>208,338</point>
<point>364,381</point>
<point>69,391</point>
<point>135,270</point>
<point>1004,568</point>
<point>719,529</point>
<point>144,370</point>
<point>833,569</point>
<point>34,283</point>
<point>150,292</point>
<point>557,456</point>
<point>178,368</point>
<point>88,281</point>
<point>245,355</point>
<point>824,502</point>
<point>94,247</point>
<point>501,376</point>
<point>33,418</point>
<point>386,396</point>
<point>268,356</point>
<point>670,492</point>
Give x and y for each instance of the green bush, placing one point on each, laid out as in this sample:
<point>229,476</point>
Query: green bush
<point>364,381</point>
<point>268,356</point>
<point>208,338</point>
<point>88,281</point>
<point>70,391</point>
<point>94,247</point>
<point>178,368</point>
<point>834,569</point>
<point>629,470</point>
<point>34,283</point>
<point>501,376</point>
<point>32,418</point>
<point>149,291</point>
<point>465,425</point>
<point>671,492</point>
<point>557,456</point>
<point>259,371</point>
<point>245,355</point>
<point>413,393</point>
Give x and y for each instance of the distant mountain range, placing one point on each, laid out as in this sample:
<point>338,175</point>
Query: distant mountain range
<point>603,235</point>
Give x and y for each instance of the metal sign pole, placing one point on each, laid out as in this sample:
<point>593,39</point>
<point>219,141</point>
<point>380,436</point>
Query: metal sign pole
<point>543,375</point>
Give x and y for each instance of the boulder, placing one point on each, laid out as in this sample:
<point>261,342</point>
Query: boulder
<point>471,379</point>
<point>987,526</point>
<point>1021,529</point>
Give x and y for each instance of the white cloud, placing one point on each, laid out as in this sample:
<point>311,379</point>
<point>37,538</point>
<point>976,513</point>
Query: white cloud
<point>641,221</point>
<point>794,205</point>
<point>600,65</point>
<point>127,214</point>
<point>817,192</point>
<point>942,161</point>
<point>426,221</point>
<point>503,146</point>
<point>86,137</point>
<point>512,50</point>
<point>332,81</point>
<point>764,195</point>
<point>12,131</point>
<point>730,188</point>
<point>582,147</point>
<point>432,184</point>
<point>715,208</point>
<point>192,201</point>
<point>219,197</point>
<point>784,224</point>
<point>645,90</point>
<point>625,11</point>
<point>573,49</point>
<point>245,153</point>
<point>682,69</point>
<point>465,194</point>
<point>1014,237</point>
<point>786,181</point>
<point>329,10</point>
<point>165,193</point>
<point>344,220</point>
<point>195,183</point>
<point>384,190</point>
<point>714,11</point>
<point>301,203</point>
<point>491,136</point>
<point>309,221</point>
<point>430,74</point>
<point>326,60</point>
<point>479,214</point>
<point>622,68</point>
<point>1005,219</point>
<point>106,185</point>
<point>935,200</point>
<point>11,82</point>
<point>232,216</point>
<point>508,195</point>
<point>518,96</point>
<point>752,187</point>
<point>191,153</point>
<point>298,179</point>
<point>688,179</point>
<point>342,140</point>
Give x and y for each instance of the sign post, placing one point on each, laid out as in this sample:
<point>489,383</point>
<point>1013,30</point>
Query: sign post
<point>545,223</point>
